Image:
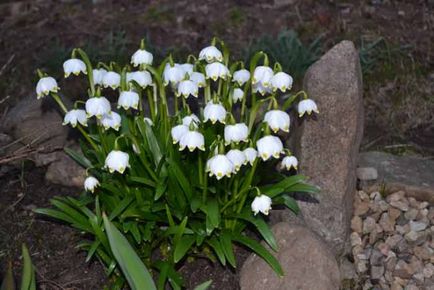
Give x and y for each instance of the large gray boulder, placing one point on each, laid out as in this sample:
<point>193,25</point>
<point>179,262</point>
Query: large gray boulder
<point>329,144</point>
<point>305,258</point>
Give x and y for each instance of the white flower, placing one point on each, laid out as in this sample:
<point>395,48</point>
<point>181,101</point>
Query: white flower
<point>75,116</point>
<point>258,87</point>
<point>173,74</point>
<point>237,95</point>
<point>90,183</point>
<point>269,146</point>
<point>307,106</point>
<point>288,162</point>
<point>262,204</point>
<point>198,78</point>
<point>98,75</point>
<point>97,106</point>
<point>236,133</point>
<point>192,118</point>
<point>111,79</point>
<point>281,81</point>
<point>128,99</point>
<point>219,166</point>
<point>241,76</point>
<point>117,161</point>
<point>216,70</point>
<point>187,88</point>
<point>214,112</point>
<point>277,119</point>
<point>142,78</point>
<point>187,68</point>
<point>45,86</point>
<point>262,75</point>
<point>211,54</point>
<point>141,56</point>
<point>111,120</point>
<point>237,157</point>
<point>192,140</point>
<point>74,66</point>
<point>148,121</point>
<point>177,132</point>
<point>251,154</point>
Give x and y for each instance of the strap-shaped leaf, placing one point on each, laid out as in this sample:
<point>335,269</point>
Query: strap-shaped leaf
<point>259,250</point>
<point>288,202</point>
<point>135,271</point>
<point>211,209</point>
<point>204,285</point>
<point>215,245</point>
<point>79,158</point>
<point>182,247</point>
<point>28,281</point>
<point>226,242</point>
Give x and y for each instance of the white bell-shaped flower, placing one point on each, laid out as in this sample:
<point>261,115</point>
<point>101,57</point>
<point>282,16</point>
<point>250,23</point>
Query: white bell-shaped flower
<point>262,204</point>
<point>75,116</point>
<point>237,95</point>
<point>187,68</point>
<point>46,85</point>
<point>259,88</point>
<point>277,119</point>
<point>128,99</point>
<point>307,106</point>
<point>216,70</point>
<point>173,74</point>
<point>198,78</point>
<point>192,140</point>
<point>187,120</point>
<point>211,54</point>
<point>187,88</point>
<point>97,106</point>
<point>148,121</point>
<point>177,132</point>
<point>111,79</point>
<point>111,120</point>
<point>269,146</point>
<point>237,157</point>
<point>142,56</point>
<point>90,183</point>
<point>236,133</point>
<point>117,161</point>
<point>289,162</point>
<point>74,66</point>
<point>142,78</point>
<point>262,75</point>
<point>98,75</point>
<point>219,166</point>
<point>281,81</point>
<point>241,76</point>
<point>214,113</point>
<point>251,155</point>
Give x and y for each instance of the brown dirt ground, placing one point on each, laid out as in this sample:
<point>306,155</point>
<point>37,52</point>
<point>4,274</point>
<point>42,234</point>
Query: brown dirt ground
<point>398,90</point>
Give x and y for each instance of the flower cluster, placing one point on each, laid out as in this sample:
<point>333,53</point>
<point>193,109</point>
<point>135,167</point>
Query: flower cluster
<point>184,141</point>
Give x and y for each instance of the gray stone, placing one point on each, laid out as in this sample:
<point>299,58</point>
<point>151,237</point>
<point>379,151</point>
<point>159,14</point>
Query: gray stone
<point>377,272</point>
<point>400,204</point>
<point>306,261</point>
<point>366,173</point>
<point>65,171</point>
<point>356,224</point>
<point>368,225</point>
<point>376,258</point>
<point>403,270</point>
<point>335,83</point>
<point>409,173</point>
<point>411,214</point>
<point>417,226</point>
<point>386,223</point>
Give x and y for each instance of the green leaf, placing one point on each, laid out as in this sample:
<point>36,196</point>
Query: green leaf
<point>259,250</point>
<point>176,173</point>
<point>226,242</point>
<point>121,207</point>
<point>142,180</point>
<point>215,245</point>
<point>288,201</point>
<point>183,245</point>
<point>28,281</point>
<point>262,227</point>
<point>8,280</point>
<point>204,285</point>
<point>92,250</point>
<point>212,212</point>
<point>135,271</point>
<point>175,278</point>
<point>79,158</point>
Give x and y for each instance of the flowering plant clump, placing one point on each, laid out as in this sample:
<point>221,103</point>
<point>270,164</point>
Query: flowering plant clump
<point>186,164</point>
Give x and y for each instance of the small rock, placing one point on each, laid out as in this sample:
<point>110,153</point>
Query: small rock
<point>392,241</point>
<point>401,220</point>
<point>402,246</point>
<point>422,252</point>
<point>402,229</point>
<point>376,258</point>
<point>361,208</point>
<point>361,266</point>
<point>384,248</point>
<point>428,271</point>
<point>417,226</point>
<point>396,286</point>
<point>411,214</point>
<point>363,195</point>
<point>384,206</point>
<point>391,263</point>
<point>402,205</point>
<point>403,270</point>
<point>368,225</point>
<point>419,278</point>
<point>423,204</point>
<point>422,213</point>
<point>366,173</point>
<point>396,196</point>
<point>356,224</point>
<point>376,196</point>
<point>394,213</point>
<point>411,236</point>
<point>411,287</point>
<point>355,239</point>
<point>386,223</point>
<point>416,264</point>
<point>413,202</point>
<point>377,272</point>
